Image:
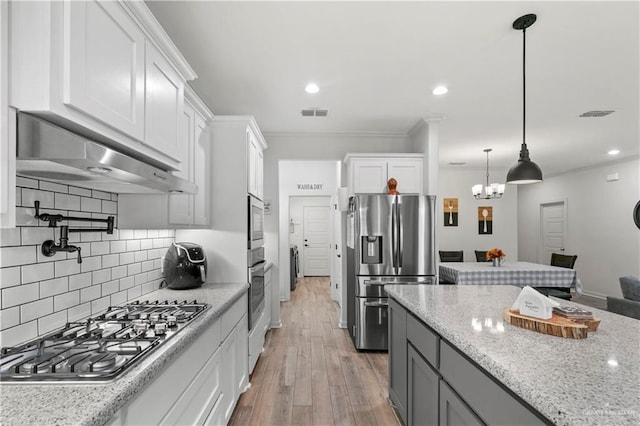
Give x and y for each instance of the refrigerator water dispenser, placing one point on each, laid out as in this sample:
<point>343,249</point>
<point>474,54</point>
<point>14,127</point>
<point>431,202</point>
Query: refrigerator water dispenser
<point>371,248</point>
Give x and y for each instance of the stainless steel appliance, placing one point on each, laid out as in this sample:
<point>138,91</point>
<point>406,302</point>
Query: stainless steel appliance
<point>256,284</point>
<point>100,348</point>
<point>45,150</point>
<point>390,240</point>
<point>256,222</point>
<point>185,266</point>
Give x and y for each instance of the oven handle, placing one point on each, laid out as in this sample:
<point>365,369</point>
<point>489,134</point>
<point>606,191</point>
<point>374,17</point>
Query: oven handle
<point>376,304</point>
<point>253,269</point>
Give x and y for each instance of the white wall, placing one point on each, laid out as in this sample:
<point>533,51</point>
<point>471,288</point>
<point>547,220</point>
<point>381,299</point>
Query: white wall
<point>600,228</point>
<point>457,183</point>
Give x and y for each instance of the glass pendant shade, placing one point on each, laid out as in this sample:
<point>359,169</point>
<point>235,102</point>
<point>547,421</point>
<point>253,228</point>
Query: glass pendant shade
<point>494,190</point>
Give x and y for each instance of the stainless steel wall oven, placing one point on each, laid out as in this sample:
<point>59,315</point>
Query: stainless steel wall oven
<point>256,223</point>
<point>256,264</point>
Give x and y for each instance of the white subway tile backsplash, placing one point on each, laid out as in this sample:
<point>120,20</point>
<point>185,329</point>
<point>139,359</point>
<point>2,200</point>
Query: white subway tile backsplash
<point>35,310</point>
<point>67,202</point>
<point>141,278</point>
<point>110,260</point>
<point>26,182</point>
<point>119,272</point>
<point>9,317</point>
<point>90,293</point>
<point>90,205</point>
<point>55,187</point>
<point>91,263</point>
<point>126,258</point>
<point>10,277</point>
<point>101,195</point>
<point>110,207</point>
<point>100,305</point>
<point>140,256</point>
<point>52,322</point>
<point>32,236</point>
<point>139,234</point>
<point>30,196</point>
<point>19,295</point>
<point>134,268</point>
<point>39,293</point>
<point>9,237</point>
<point>110,287</point>
<point>19,334</point>
<point>126,234</point>
<point>100,276</point>
<point>118,246</point>
<point>133,245</point>
<point>67,267</point>
<point>37,272</point>
<point>79,281</point>
<point>127,283</point>
<point>119,298</point>
<point>66,300</point>
<point>79,191</point>
<point>79,312</point>
<point>99,248</point>
<point>14,256</point>
<point>53,287</point>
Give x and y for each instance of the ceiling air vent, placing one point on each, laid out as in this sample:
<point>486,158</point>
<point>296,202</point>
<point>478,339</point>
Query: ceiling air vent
<point>315,112</point>
<point>596,113</point>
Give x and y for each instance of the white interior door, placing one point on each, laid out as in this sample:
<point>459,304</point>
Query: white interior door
<point>316,241</point>
<point>553,224</point>
<point>335,251</point>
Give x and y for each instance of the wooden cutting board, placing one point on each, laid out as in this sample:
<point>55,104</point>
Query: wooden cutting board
<point>556,325</point>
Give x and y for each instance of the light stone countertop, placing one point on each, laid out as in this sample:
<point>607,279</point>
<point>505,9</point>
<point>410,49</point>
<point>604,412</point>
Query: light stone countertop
<point>95,403</point>
<point>592,381</point>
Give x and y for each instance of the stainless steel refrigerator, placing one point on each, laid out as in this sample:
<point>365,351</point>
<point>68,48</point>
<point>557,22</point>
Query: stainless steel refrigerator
<point>390,240</point>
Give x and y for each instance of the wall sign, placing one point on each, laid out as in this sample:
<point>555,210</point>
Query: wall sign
<point>310,186</point>
<point>485,220</point>
<point>450,209</point>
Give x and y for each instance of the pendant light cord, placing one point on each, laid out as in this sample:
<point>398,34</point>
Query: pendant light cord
<point>524,86</point>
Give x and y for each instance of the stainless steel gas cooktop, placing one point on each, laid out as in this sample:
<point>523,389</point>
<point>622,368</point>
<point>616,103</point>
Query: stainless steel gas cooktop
<point>100,348</point>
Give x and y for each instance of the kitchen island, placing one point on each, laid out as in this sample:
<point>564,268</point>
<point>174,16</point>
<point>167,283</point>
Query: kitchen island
<point>469,353</point>
<point>95,403</point>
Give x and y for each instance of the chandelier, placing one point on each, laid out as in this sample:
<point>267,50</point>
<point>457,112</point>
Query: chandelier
<point>495,190</point>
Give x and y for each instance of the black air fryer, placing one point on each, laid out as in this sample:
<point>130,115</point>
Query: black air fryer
<point>185,266</point>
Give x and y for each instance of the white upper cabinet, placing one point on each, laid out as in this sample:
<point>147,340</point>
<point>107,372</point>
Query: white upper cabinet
<point>105,69</point>
<point>202,172</point>
<point>255,166</point>
<point>104,77</point>
<point>163,104</point>
<point>369,173</point>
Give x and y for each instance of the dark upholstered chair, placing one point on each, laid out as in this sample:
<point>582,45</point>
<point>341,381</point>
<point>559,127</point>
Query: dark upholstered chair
<point>481,256</point>
<point>629,305</point>
<point>562,261</point>
<point>451,256</point>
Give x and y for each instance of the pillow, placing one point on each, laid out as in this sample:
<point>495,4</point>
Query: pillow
<point>630,287</point>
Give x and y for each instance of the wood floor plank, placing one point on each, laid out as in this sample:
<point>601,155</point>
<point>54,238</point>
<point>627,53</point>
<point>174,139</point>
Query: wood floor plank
<point>310,372</point>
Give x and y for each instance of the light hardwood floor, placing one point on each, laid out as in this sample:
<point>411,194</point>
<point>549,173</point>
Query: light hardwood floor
<point>310,373</point>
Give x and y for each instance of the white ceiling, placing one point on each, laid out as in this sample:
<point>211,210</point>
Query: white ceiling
<point>377,62</point>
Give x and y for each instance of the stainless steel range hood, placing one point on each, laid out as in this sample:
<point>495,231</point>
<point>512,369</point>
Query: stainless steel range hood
<point>47,151</point>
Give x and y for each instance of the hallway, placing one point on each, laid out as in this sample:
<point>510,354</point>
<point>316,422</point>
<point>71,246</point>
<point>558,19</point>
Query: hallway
<point>310,372</point>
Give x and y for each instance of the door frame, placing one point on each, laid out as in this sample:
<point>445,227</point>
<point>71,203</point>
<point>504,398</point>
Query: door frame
<point>565,202</point>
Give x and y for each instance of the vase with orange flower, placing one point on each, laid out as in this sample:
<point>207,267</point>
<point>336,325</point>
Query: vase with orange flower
<point>496,256</point>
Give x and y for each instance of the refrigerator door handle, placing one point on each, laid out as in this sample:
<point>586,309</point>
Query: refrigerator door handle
<point>394,237</point>
<point>376,304</point>
<point>400,233</point>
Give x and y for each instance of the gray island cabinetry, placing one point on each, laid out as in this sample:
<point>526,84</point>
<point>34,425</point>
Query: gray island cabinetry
<point>454,361</point>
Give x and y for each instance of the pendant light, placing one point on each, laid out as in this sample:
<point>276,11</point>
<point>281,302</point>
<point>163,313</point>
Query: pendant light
<point>495,190</point>
<point>526,171</point>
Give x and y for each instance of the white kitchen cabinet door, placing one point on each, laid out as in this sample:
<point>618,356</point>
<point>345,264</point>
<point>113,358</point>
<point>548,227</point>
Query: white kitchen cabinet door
<point>408,173</point>
<point>235,367</point>
<point>369,176</point>
<point>252,155</point>
<point>181,206</point>
<point>259,173</point>
<point>105,65</point>
<point>7,131</point>
<point>164,102</point>
<point>202,171</point>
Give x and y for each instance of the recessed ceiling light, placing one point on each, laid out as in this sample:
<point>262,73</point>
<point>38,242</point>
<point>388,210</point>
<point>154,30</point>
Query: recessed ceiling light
<point>614,152</point>
<point>440,90</point>
<point>312,88</point>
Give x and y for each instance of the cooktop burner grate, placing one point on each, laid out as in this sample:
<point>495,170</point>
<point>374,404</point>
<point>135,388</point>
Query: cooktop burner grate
<point>100,348</point>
